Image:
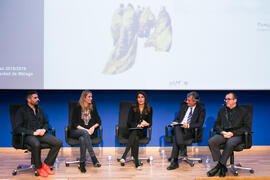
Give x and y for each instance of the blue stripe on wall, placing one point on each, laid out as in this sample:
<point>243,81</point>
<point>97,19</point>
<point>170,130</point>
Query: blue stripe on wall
<point>165,105</point>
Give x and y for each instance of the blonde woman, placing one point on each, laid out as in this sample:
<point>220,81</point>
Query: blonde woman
<point>85,120</point>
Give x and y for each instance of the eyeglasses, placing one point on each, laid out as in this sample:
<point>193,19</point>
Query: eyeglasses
<point>228,99</point>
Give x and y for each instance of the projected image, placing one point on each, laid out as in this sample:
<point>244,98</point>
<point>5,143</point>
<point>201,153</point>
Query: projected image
<point>142,44</point>
<point>130,25</point>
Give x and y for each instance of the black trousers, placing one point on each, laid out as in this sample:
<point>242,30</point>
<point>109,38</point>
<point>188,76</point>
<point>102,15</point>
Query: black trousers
<point>133,144</point>
<point>85,143</point>
<point>230,143</point>
<point>180,135</point>
<point>34,142</point>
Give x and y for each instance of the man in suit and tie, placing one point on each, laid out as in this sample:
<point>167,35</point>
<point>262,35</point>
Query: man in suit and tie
<point>231,123</point>
<point>191,115</point>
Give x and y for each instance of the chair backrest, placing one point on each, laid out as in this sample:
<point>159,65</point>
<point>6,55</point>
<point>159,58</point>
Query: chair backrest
<point>71,107</point>
<point>13,108</point>
<point>123,113</point>
<point>249,109</point>
<point>123,117</point>
<point>199,132</point>
<point>16,139</point>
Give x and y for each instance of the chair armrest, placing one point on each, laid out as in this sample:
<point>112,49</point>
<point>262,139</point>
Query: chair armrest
<point>211,132</point>
<point>66,133</point>
<point>21,136</point>
<point>100,131</point>
<point>117,131</point>
<point>247,140</point>
<point>53,131</point>
<point>196,134</point>
<point>149,133</point>
<point>166,130</point>
<point>22,139</point>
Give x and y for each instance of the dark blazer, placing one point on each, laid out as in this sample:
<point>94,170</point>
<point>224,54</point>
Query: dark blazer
<point>239,121</point>
<point>76,118</point>
<point>134,118</point>
<point>198,115</point>
<point>27,122</point>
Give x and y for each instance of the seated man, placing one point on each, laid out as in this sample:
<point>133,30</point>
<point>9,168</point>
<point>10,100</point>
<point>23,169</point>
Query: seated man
<point>31,120</point>
<point>231,123</point>
<point>191,115</point>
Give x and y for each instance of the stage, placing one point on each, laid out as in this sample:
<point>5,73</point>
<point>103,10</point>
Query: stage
<point>258,157</point>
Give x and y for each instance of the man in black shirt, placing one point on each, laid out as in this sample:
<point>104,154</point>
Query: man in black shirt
<point>231,123</point>
<point>31,120</point>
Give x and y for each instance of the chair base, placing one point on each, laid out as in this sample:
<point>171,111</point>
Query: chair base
<point>234,168</point>
<point>130,159</point>
<point>188,160</point>
<point>77,161</point>
<point>23,168</point>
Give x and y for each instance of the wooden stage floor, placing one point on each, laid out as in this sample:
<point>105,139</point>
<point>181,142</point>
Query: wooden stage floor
<point>258,157</point>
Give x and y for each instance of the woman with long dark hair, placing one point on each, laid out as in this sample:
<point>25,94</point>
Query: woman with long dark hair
<point>140,116</point>
<point>85,120</point>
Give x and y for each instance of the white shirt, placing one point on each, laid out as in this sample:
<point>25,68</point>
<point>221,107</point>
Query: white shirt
<point>184,121</point>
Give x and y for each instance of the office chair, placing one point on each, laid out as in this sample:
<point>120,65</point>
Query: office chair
<point>197,138</point>
<point>96,137</point>
<point>245,144</point>
<point>18,142</point>
<point>122,130</point>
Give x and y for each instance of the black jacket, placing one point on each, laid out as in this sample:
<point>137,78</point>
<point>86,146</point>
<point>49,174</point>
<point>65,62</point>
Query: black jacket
<point>135,118</point>
<point>76,117</point>
<point>198,115</point>
<point>27,122</point>
<point>239,121</point>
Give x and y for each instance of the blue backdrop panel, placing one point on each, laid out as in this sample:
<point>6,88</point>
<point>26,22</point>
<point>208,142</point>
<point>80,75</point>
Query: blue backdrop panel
<point>165,105</point>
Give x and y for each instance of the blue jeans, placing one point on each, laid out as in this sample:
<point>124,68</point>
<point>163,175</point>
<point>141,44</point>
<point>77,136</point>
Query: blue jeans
<point>85,142</point>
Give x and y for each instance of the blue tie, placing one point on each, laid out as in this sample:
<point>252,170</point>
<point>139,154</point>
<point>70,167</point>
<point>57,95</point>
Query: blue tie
<point>189,116</point>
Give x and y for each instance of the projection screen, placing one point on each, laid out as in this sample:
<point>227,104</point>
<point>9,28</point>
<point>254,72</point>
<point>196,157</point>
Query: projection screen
<point>135,44</point>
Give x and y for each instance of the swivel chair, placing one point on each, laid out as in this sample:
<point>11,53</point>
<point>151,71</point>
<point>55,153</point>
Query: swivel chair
<point>245,144</point>
<point>122,130</point>
<point>96,137</point>
<point>19,143</point>
<point>197,138</point>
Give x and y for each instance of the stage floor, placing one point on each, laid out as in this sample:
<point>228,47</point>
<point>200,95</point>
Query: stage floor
<point>258,157</point>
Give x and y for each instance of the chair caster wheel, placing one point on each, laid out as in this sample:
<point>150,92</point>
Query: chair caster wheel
<point>148,160</point>
<point>192,164</point>
<point>122,164</point>
<point>14,172</point>
<point>118,160</point>
<point>235,173</point>
<point>141,163</point>
<point>36,173</point>
<point>200,161</point>
<point>251,171</point>
<point>67,165</point>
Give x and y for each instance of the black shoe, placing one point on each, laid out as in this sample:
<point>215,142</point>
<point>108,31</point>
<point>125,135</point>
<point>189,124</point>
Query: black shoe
<point>139,167</point>
<point>183,151</point>
<point>95,161</point>
<point>82,167</point>
<point>214,171</point>
<point>173,166</point>
<point>222,172</point>
<point>183,154</point>
<point>97,164</point>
